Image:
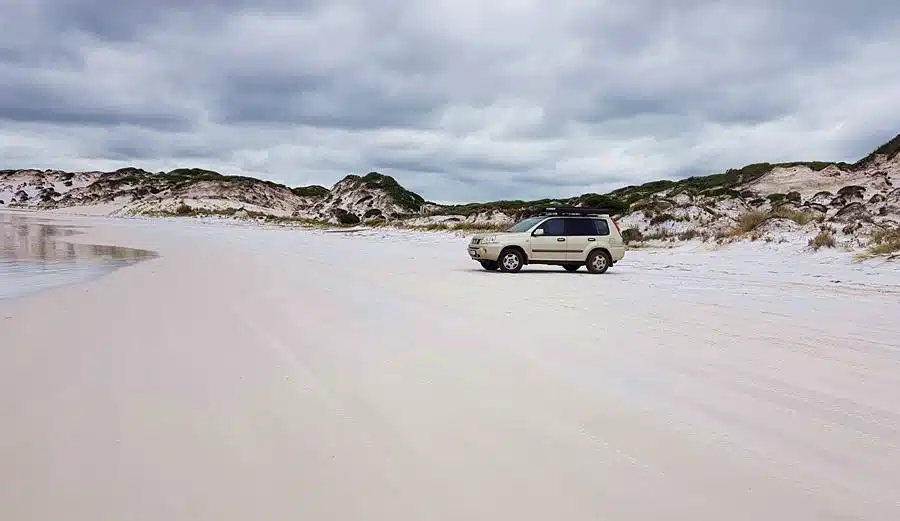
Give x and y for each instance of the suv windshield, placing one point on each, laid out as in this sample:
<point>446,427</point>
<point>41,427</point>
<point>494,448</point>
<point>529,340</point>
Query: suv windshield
<point>523,226</point>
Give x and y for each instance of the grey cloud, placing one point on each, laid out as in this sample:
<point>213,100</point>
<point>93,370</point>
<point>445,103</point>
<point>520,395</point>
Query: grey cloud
<point>124,21</point>
<point>128,152</point>
<point>319,101</point>
<point>538,99</point>
<point>732,62</point>
<point>74,117</point>
<point>507,165</point>
<point>416,165</point>
<point>132,148</point>
<point>565,179</point>
<point>39,102</point>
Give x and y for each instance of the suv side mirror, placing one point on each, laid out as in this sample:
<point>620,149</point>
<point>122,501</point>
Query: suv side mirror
<point>539,231</point>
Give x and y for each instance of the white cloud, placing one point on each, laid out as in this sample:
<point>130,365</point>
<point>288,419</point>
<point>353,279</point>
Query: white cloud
<point>459,100</point>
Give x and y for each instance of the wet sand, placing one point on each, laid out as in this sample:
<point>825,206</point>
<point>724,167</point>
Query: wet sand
<point>35,256</point>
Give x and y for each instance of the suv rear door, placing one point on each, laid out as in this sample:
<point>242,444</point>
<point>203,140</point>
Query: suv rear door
<point>583,235</point>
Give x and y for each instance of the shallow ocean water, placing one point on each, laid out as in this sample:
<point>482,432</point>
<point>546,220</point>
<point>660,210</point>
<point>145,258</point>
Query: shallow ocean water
<point>34,256</point>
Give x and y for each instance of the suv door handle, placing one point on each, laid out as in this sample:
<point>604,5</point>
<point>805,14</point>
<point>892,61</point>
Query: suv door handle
<point>560,239</point>
<point>592,239</point>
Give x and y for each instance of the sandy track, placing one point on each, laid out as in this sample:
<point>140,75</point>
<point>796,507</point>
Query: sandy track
<point>252,374</point>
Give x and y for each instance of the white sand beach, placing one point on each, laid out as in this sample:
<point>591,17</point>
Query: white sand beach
<point>272,374</point>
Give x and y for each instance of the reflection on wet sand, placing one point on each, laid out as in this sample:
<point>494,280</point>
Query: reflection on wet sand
<point>34,256</point>
<point>27,240</point>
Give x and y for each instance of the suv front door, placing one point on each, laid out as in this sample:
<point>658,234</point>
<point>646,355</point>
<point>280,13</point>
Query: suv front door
<point>549,244</point>
<point>583,235</point>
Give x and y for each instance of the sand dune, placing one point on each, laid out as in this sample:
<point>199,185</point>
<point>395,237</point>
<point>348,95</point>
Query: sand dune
<point>251,374</point>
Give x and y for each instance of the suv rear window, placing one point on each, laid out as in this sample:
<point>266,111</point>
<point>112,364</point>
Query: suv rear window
<point>602,226</point>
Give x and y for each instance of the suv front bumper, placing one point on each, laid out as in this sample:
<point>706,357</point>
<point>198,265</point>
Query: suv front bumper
<point>484,252</point>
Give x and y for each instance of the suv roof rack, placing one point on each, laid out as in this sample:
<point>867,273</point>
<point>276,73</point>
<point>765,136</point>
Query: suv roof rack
<point>574,210</point>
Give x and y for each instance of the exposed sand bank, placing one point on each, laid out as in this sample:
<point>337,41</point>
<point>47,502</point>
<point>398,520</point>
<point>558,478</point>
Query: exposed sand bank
<point>251,374</point>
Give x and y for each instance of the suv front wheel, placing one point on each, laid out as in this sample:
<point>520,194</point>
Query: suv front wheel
<point>490,265</point>
<point>598,261</point>
<point>511,260</point>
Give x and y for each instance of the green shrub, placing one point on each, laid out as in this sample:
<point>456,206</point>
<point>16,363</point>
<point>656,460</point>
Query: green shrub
<point>854,191</point>
<point>884,242</point>
<point>799,217</point>
<point>632,235</point>
<point>667,217</point>
<point>722,191</point>
<point>753,219</point>
<point>614,205</point>
<point>519,209</point>
<point>344,217</point>
<point>688,235</point>
<point>661,218</point>
<point>310,191</point>
<point>649,206</point>
<point>660,234</point>
<point>750,221</point>
<point>405,198</point>
<point>825,239</point>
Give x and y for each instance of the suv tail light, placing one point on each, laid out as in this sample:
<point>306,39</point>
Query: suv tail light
<point>611,218</point>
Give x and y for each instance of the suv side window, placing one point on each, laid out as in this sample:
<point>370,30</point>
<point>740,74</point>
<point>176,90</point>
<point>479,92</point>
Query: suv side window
<point>602,226</point>
<point>580,227</point>
<point>553,227</point>
<point>586,227</point>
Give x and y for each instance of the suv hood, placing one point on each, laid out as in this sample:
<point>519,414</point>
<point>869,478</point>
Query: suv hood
<point>502,237</point>
<point>478,237</point>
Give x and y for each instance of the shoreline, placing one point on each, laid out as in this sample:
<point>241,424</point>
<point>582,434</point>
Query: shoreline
<point>47,255</point>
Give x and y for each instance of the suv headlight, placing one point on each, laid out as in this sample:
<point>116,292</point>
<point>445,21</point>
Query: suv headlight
<point>490,239</point>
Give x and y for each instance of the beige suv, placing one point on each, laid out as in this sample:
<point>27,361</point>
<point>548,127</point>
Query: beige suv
<point>567,237</point>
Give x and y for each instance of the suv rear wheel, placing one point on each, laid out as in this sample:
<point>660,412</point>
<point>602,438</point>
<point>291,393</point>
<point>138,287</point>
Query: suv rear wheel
<point>490,265</point>
<point>598,261</point>
<point>511,260</point>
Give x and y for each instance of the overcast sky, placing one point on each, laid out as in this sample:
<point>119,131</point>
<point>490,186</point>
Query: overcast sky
<point>457,99</point>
